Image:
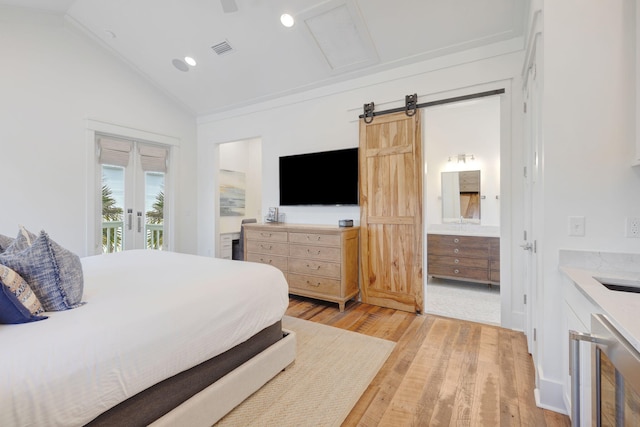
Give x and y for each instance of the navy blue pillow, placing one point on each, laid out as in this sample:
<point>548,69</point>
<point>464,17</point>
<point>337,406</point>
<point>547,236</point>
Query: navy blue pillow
<point>12,311</point>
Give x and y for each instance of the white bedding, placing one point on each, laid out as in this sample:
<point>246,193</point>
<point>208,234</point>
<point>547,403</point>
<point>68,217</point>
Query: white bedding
<point>149,315</point>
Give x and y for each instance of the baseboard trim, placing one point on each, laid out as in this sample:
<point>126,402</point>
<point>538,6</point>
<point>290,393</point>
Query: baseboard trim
<point>550,395</point>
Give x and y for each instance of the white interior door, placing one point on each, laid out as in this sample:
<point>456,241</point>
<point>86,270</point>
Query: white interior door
<point>133,177</point>
<point>532,195</point>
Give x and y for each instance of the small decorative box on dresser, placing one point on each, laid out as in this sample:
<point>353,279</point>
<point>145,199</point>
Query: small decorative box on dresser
<point>469,258</point>
<point>318,261</point>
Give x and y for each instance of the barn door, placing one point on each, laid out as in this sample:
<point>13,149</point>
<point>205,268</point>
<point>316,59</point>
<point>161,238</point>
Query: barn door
<point>391,212</point>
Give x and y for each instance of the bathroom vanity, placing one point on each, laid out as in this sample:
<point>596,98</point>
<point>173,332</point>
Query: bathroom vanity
<point>472,256</point>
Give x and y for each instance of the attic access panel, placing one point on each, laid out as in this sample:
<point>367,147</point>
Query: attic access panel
<point>340,34</point>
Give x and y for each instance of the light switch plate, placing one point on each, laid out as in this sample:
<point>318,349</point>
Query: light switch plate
<point>576,226</point>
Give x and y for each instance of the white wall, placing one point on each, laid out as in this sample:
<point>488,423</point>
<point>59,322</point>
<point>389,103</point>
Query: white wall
<point>471,127</point>
<point>588,127</point>
<point>246,157</point>
<point>53,79</point>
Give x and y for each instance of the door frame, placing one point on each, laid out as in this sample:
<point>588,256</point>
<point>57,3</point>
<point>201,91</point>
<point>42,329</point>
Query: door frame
<point>93,236</point>
<point>510,318</point>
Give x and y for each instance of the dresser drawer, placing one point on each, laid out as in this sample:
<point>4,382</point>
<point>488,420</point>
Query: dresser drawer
<point>320,268</point>
<point>264,235</point>
<point>271,248</point>
<point>458,261</point>
<point>321,285</point>
<point>315,252</point>
<point>279,262</point>
<point>461,272</point>
<point>315,239</point>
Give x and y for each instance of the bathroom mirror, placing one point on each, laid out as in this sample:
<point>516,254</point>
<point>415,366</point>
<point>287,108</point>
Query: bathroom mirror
<point>461,196</point>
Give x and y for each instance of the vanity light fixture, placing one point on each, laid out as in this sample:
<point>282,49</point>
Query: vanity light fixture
<point>462,158</point>
<point>287,20</point>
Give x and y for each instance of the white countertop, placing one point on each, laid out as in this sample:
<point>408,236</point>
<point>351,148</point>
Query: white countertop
<point>464,230</point>
<point>621,308</point>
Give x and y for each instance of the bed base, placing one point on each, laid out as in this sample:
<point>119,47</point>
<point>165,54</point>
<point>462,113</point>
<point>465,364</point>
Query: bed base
<point>214,402</point>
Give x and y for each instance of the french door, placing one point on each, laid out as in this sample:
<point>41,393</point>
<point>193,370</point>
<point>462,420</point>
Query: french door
<point>132,181</point>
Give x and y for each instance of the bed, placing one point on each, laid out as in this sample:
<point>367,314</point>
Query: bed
<point>155,343</point>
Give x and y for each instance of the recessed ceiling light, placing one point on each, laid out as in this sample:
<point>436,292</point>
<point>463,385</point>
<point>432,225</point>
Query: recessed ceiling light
<point>189,60</point>
<point>287,20</point>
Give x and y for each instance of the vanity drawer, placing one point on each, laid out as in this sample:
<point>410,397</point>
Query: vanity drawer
<point>458,261</point>
<point>494,248</point>
<point>315,239</point>
<point>279,262</point>
<point>264,235</point>
<point>321,285</point>
<point>261,247</point>
<point>320,268</point>
<point>459,272</point>
<point>315,252</point>
<point>494,271</point>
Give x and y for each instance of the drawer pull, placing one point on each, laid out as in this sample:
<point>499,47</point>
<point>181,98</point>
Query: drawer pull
<point>456,271</point>
<point>456,240</point>
<point>310,252</point>
<point>313,284</point>
<point>268,247</point>
<point>456,260</point>
<point>266,261</point>
<point>456,250</point>
<point>317,267</point>
<point>317,238</point>
<point>266,234</point>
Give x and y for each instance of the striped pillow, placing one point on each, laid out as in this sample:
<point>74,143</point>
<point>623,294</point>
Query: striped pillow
<point>21,289</point>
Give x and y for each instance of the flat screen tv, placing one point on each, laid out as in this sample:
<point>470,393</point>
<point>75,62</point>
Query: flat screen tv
<point>324,178</point>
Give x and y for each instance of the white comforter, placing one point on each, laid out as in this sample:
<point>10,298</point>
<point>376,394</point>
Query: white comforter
<point>149,315</point>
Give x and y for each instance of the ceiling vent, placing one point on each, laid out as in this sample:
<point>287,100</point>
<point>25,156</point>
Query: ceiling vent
<point>222,48</point>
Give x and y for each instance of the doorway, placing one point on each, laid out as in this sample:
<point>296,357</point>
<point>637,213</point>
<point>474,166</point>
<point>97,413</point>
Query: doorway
<point>132,180</point>
<point>462,145</point>
<point>239,192</point>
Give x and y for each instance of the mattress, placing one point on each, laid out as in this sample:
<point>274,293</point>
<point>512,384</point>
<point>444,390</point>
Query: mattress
<point>149,315</point>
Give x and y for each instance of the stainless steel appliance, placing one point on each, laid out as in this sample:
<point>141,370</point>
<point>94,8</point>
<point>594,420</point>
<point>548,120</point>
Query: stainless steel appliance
<point>615,376</point>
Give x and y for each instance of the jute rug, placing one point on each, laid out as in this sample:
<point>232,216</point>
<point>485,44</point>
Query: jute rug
<point>333,368</point>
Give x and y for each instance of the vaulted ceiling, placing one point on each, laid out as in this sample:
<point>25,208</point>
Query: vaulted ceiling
<point>244,54</point>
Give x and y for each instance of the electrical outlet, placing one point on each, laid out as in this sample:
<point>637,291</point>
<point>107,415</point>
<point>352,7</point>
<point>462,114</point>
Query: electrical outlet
<point>632,228</point>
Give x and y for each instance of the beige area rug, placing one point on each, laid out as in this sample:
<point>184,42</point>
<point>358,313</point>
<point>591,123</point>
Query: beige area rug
<point>333,368</point>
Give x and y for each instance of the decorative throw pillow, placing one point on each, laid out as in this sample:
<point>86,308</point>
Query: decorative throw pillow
<point>21,289</point>
<point>12,311</point>
<point>23,240</point>
<point>5,242</point>
<point>54,273</point>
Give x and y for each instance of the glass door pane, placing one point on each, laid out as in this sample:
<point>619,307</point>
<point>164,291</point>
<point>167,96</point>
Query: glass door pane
<point>113,197</point>
<point>154,209</point>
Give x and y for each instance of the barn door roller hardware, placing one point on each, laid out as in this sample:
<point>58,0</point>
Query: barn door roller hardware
<point>411,104</point>
<point>368,113</point>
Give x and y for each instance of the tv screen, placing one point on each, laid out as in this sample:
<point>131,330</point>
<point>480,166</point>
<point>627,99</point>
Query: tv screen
<point>325,178</point>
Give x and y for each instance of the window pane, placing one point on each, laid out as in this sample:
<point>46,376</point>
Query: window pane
<point>154,208</point>
<point>112,208</point>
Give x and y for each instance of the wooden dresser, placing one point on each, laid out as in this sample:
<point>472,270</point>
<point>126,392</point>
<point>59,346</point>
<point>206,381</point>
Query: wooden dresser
<point>318,261</point>
<point>469,258</point>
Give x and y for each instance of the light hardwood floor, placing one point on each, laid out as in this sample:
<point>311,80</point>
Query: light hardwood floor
<point>442,371</point>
